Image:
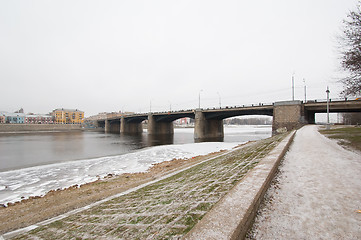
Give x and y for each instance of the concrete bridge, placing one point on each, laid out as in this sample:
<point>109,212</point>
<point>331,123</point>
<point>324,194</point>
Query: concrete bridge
<point>209,122</point>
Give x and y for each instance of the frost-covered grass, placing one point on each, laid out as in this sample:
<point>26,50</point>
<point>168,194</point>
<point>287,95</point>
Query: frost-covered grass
<point>347,136</point>
<point>167,209</point>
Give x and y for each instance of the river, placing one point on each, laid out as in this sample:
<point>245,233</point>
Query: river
<point>35,163</point>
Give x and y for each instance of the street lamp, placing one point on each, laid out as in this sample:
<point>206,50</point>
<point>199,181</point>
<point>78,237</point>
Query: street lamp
<point>199,98</point>
<point>328,109</point>
<point>219,98</point>
<point>293,86</point>
<point>304,83</point>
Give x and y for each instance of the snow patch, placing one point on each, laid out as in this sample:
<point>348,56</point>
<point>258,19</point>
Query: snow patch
<point>37,181</point>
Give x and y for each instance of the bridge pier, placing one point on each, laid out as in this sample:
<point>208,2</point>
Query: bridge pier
<point>289,115</point>
<point>106,126</point>
<point>159,127</point>
<point>130,127</point>
<point>207,129</point>
<point>112,126</point>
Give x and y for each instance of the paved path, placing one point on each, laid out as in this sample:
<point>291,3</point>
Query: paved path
<point>316,195</point>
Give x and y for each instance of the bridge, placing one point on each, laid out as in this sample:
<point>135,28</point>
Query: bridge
<point>209,122</point>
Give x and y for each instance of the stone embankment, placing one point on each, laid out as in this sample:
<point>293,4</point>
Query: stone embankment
<point>10,128</point>
<point>170,207</point>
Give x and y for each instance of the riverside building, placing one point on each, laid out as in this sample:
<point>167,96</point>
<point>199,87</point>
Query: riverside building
<point>2,118</point>
<point>39,119</point>
<point>68,116</point>
<point>14,118</point>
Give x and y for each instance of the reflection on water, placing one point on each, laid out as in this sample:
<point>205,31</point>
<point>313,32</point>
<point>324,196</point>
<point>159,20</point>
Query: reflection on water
<point>215,139</point>
<point>62,143</point>
<point>163,139</point>
<point>32,149</point>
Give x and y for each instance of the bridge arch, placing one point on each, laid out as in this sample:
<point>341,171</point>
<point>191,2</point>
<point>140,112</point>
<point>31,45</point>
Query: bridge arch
<point>132,124</point>
<point>161,124</point>
<point>209,123</point>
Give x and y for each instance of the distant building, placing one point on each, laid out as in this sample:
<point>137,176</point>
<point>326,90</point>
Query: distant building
<point>68,116</point>
<point>102,115</point>
<point>21,110</point>
<point>14,118</point>
<point>2,118</point>
<point>19,117</point>
<point>105,115</point>
<point>183,121</point>
<point>39,119</point>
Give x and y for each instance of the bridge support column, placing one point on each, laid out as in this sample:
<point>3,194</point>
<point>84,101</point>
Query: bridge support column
<point>115,126</point>
<point>130,127</point>
<point>159,127</point>
<point>107,126</point>
<point>288,115</point>
<point>207,129</point>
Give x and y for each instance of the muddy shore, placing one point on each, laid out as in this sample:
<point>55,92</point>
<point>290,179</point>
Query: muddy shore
<point>54,203</point>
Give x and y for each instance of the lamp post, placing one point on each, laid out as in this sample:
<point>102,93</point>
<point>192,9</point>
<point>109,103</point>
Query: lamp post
<point>328,109</point>
<point>293,86</point>
<point>219,98</point>
<point>199,99</point>
<point>304,83</point>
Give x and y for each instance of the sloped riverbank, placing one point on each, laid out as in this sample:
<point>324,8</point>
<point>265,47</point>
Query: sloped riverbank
<point>166,208</point>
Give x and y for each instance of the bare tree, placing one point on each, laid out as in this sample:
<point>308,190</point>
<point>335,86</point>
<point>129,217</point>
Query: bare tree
<point>351,52</point>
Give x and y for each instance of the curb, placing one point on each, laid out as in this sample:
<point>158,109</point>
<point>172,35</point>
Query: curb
<point>233,215</point>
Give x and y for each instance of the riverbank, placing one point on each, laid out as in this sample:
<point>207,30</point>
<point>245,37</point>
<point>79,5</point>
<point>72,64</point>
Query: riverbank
<point>18,128</point>
<point>37,209</point>
<point>198,187</point>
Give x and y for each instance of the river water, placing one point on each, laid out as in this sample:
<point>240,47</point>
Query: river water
<point>35,163</point>
<point>32,149</point>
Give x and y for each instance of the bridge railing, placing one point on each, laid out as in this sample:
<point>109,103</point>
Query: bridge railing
<point>332,100</point>
<point>244,106</point>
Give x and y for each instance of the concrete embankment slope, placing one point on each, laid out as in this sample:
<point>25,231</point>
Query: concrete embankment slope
<point>232,216</point>
<point>9,128</point>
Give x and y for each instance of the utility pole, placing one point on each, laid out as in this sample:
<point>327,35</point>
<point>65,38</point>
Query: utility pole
<point>328,109</point>
<point>150,106</point>
<point>304,83</point>
<point>219,98</point>
<point>199,99</point>
<point>293,86</point>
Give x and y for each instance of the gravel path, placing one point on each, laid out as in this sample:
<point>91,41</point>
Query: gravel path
<point>316,195</point>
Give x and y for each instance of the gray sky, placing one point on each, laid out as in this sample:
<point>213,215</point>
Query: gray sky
<point>123,55</point>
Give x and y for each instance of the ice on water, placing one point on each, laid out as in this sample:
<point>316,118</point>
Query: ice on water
<point>37,181</point>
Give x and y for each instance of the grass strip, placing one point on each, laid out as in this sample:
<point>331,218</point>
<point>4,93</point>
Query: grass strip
<point>349,137</point>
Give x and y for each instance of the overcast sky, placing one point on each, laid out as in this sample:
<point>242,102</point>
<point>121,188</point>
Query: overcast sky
<point>132,55</point>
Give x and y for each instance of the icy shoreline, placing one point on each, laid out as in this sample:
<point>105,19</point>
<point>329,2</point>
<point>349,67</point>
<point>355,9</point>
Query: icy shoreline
<point>16,185</point>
